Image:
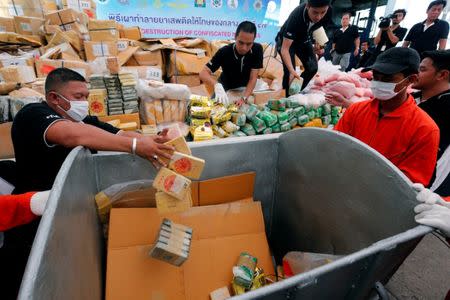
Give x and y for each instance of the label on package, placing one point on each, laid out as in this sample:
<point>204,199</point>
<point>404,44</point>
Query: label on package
<point>174,184</point>
<point>15,10</point>
<point>25,26</point>
<point>13,62</point>
<point>122,45</point>
<point>80,71</point>
<point>85,4</point>
<point>66,27</point>
<point>154,74</point>
<point>2,28</point>
<point>100,50</point>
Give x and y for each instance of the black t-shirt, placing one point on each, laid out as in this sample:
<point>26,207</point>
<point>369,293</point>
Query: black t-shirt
<point>427,40</point>
<point>38,162</point>
<point>345,41</point>
<point>438,107</point>
<point>236,68</point>
<point>299,28</point>
<point>364,59</point>
<point>385,43</point>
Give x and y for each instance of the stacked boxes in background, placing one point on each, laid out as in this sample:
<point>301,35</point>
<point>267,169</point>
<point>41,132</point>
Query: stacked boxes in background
<point>129,93</point>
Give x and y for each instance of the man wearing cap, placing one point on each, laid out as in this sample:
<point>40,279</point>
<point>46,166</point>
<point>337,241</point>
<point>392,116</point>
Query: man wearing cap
<point>434,98</point>
<point>430,34</point>
<point>295,39</point>
<point>392,123</point>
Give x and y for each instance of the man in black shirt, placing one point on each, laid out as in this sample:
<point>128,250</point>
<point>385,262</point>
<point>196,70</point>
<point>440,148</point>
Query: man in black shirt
<point>388,37</point>
<point>295,39</point>
<point>240,63</point>
<point>43,134</point>
<point>431,33</point>
<point>434,98</point>
<point>366,55</point>
<point>345,40</point>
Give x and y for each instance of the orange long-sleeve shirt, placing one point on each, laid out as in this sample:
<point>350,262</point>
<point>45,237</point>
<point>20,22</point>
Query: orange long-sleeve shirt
<point>408,137</point>
<point>15,210</point>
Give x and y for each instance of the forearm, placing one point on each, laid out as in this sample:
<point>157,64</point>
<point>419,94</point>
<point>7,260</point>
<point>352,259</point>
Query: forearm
<point>250,86</point>
<point>131,134</point>
<point>333,46</point>
<point>406,44</point>
<point>285,55</point>
<point>442,44</point>
<point>207,78</point>
<point>377,39</point>
<point>392,37</point>
<point>357,43</point>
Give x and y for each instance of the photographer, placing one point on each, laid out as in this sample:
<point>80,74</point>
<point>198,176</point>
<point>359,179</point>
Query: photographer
<point>389,35</point>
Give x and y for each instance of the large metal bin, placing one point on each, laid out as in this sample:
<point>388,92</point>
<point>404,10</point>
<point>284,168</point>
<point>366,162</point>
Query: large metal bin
<point>321,191</point>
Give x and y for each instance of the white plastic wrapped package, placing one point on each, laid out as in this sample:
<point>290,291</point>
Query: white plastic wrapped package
<point>158,90</point>
<point>314,100</point>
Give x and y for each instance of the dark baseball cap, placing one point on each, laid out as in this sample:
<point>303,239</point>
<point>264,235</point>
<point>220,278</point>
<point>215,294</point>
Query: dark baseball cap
<point>396,60</point>
<point>319,3</point>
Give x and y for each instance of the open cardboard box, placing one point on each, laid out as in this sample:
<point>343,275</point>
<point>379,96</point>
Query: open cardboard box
<point>229,224</point>
<point>6,145</point>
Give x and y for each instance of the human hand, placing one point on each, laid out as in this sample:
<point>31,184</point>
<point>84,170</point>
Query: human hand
<point>221,95</point>
<point>356,52</point>
<point>38,202</point>
<point>337,99</point>
<point>147,147</point>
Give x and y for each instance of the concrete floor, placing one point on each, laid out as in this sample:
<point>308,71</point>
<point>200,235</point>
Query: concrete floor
<point>425,274</point>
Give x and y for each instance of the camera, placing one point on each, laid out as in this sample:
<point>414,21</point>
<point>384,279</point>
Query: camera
<point>385,22</point>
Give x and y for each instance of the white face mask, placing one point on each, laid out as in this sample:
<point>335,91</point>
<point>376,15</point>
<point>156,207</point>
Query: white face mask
<point>384,90</point>
<point>78,109</point>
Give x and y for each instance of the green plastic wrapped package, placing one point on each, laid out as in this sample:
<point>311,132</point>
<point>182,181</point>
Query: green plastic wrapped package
<point>308,108</point>
<point>311,114</point>
<point>268,118</point>
<point>296,86</point>
<point>334,120</point>
<point>283,118</point>
<point>258,124</point>
<point>326,120</point>
<point>298,111</point>
<point>285,127</point>
<point>319,112</point>
<point>326,109</point>
<point>276,128</point>
<point>248,129</point>
<point>278,105</point>
<point>290,112</point>
<point>239,118</point>
<point>239,134</point>
<point>293,122</point>
<point>292,103</point>
<point>267,131</point>
<point>335,110</point>
<point>252,111</point>
<point>302,120</point>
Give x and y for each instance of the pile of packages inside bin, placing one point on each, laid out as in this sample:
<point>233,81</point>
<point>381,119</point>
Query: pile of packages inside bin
<point>152,80</point>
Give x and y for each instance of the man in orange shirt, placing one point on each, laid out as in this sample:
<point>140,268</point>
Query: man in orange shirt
<point>392,123</point>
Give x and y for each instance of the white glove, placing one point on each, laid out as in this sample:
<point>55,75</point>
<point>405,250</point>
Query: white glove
<point>221,95</point>
<point>38,202</point>
<point>433,211</point>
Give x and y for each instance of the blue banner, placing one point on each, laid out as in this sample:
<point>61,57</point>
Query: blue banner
<point>208,19</point>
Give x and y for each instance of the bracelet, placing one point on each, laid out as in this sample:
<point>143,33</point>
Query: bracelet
<point>133,147</point>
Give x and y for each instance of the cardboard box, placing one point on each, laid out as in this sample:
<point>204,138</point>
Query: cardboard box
<point>168,204</point>
<point>62,17</point>
<point>145,72</point>
<point>86,6</point>
<point>189,80</point>
<point>196,43</point>
<point>71,37</point>
<point>62,51</point>
<point>200,90</point>
<point>6,145</point>
<point>7,24</point>
<point>30,8</point>
<point>125,118</point>
<point>132,33</point>
<point>146,58</point>
<point>20,74</point>
<point>220,234</point>
<point>45,66</point>
<point>10,60</point>
<point>262,98</point>
<point>100,49</point>
<point>103,30</point>
<point>28,25</point>
<point>182,63</point>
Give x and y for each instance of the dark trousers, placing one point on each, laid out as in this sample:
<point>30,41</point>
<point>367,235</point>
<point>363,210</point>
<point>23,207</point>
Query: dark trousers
<point>305,53</point>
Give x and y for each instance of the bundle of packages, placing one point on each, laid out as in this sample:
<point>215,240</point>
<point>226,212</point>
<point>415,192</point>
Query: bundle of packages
<point>353,86</point>
<point>163,103</point>
<point>27,8</point>
<point>86,6</point>
<point>66,20</point>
